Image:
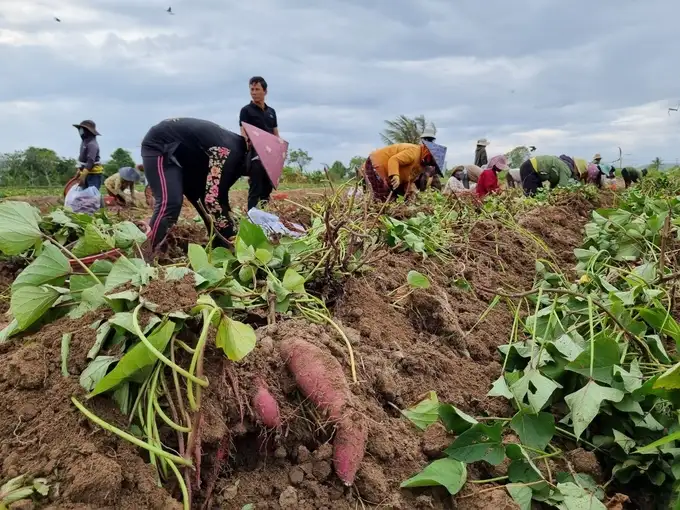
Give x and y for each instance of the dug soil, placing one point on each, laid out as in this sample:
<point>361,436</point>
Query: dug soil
<point>404,346</point>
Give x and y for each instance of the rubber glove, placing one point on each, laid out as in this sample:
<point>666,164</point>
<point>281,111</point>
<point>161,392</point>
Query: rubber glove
<point>82,176</point>
<point>395,181</point>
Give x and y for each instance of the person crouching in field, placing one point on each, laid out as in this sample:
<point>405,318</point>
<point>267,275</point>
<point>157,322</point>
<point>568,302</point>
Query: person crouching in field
<point>197,159</point>
<point>124,179</point>
<point>631,175</point>
<point>488,181</point>
<point>539,169</point>
<point>393,170</point>
<point>513,179</point>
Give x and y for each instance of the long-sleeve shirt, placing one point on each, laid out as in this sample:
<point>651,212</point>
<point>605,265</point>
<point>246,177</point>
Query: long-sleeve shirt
<point>88,159</point>
<point>402,159</point>
<point>551,169</point>
<point>488,183</point>
<point>481,158</point>
<point>211,157</point>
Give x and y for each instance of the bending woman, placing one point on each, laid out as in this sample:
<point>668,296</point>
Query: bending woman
<point>197,159</point>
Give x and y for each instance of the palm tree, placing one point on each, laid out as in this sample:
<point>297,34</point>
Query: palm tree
<point>656,163</point>
<point>405,130</point>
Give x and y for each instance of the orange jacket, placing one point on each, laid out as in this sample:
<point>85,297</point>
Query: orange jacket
<point>401,158</point>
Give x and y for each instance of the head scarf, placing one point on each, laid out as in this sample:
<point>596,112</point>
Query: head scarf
<point>500,162</point>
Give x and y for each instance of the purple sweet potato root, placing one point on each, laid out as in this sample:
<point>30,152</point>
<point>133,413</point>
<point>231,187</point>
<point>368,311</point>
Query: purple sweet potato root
<point>349,446</point>
<point>265,406</point>
<point>318,375</point>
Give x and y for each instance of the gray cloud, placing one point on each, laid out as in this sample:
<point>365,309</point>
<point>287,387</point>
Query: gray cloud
<point>576,77</point>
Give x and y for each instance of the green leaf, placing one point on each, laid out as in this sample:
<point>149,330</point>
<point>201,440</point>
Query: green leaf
<point>28,304</point>
<point>19,227</point>
<point>122,397</point>
<point>670,379</point>
<point>658,443</point>
<point>221,257</point>
<point>585,404</point>
<point>252,235</point>
<point>246,274</point>
<point>235,338</point>
<point>126,234</point>
<point>41,487</point>
<point>178,273</point>
<point>521,495</point>
<point>417,280</point>
<point>198,258</point>
<point>264,256</point>
<point>90,299</point>
<point>95,371</point>
<point>249,506</point>
<point>294,282</point>
<point>632,380</point>
<point>212,275</point>
<point>126,270</point>
<point>244,253</point>
<point>454,419</point>
<point>647,422</point>
<point>606,356</point>
<point>51,266</point>
<point>92,242</point>
<point>80,282</point>
<point>626,443</point>
<point>577,498</point>
<point>448,473</point>
<point>480,442</point>
<point>135,359</point>
<point>102,332</point>
<point>500,388</point>
<point>661,322</point>
<point>425,413</point>
<point>536,387</point>
<point>8,331</point>
<point>534,430</point>
<point>568,347</point>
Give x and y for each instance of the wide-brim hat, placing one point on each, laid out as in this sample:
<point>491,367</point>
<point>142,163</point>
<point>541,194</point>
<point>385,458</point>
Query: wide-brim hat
<point>438,154</point>
<point>271,149</point>
<point>597,156</point>
<point>483,142</point>
<point>428,132</point>
<point>89,125</point>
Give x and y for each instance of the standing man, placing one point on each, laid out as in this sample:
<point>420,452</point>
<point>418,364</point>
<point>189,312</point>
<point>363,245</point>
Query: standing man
<point>263,116</point>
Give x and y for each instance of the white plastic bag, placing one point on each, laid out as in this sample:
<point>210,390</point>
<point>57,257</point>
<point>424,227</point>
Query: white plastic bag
<point>272,224</point>
<point>81,200</point>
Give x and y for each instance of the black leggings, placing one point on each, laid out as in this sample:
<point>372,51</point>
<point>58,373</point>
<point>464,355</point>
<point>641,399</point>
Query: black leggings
<point>260,184</point>
<point>170,183</point>
<point>530,178</point>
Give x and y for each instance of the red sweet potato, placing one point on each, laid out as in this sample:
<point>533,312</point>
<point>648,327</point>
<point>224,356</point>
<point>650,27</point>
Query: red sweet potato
<point>318,375</point>
<point>265,406</point>
<point>349,446</point>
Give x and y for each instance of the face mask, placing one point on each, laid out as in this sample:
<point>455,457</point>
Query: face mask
<point>81,131</point>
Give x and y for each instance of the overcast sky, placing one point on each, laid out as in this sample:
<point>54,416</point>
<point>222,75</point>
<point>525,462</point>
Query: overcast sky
<point>571,77</point>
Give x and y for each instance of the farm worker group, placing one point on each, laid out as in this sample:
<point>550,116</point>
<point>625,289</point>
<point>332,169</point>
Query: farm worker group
<point>200,160</point>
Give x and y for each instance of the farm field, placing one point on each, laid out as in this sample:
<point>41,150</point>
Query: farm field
<point>449,354</point>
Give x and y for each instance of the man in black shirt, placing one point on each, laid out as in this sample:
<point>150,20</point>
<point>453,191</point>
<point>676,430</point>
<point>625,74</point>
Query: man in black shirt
<point>258,114</point>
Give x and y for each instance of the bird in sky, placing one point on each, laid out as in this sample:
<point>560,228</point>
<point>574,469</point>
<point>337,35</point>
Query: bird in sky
<point>169,11</point>
<point>673,110</point>
<point>57,19</point>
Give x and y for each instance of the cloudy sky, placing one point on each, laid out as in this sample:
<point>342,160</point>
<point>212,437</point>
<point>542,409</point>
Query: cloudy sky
<point>572,77</point>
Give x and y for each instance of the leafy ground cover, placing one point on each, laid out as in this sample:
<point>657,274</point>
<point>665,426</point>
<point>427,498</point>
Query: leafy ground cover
<point>461,355</point>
